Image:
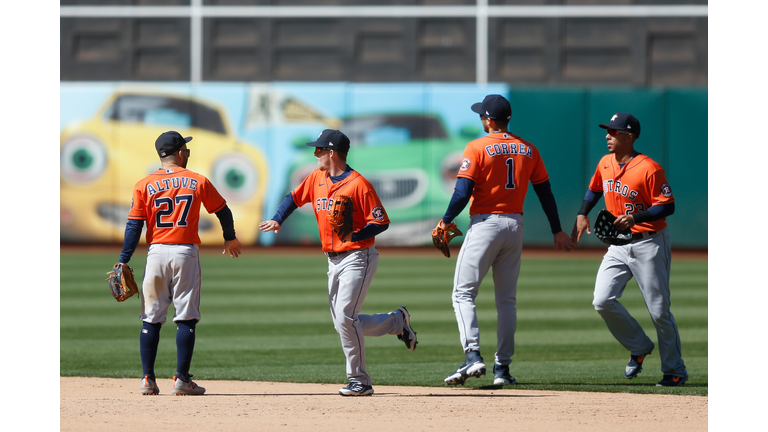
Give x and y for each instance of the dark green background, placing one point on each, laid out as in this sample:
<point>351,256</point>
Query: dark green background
<point>563,124</point>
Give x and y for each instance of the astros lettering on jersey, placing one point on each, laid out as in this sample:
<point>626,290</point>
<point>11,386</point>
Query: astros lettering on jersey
<point>169,200</point>
<point>634,188</point>
<point>508,161</point>
<point>319,190</point>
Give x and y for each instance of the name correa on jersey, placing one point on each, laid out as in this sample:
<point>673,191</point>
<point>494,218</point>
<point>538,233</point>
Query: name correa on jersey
<point>171,183</point>
<point>500,149</point>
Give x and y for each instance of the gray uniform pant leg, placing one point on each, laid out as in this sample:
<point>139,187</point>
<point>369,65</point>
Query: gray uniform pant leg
<point>491,241</point>
<point>172,275</point>
<point>648,260</point>
<point>349,277</point>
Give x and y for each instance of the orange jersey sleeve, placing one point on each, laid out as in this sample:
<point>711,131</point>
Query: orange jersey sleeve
<point>501,165</point>
<point>632,189</point>
<point>319,191</point>
<point>169,201</point>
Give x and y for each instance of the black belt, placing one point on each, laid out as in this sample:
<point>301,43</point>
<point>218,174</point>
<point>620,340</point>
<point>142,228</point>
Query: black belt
<point>642,235</point>
<point>336,254</point>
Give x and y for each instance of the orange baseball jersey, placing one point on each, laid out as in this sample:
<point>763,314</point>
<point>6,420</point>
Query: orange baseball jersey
<point>169,200</point>
<point>634,188</point>
<point>319,190</point>
<point>501,164</point>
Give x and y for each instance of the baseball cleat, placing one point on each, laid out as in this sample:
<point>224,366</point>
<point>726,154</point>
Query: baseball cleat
<point>181,388</point>
<point>408,336</point>
<point>473,366</point>
<point>635,365</point>
<point>672,381</point>
<point>148,386</point>
<point>501,375</point>
<point>355,388</point>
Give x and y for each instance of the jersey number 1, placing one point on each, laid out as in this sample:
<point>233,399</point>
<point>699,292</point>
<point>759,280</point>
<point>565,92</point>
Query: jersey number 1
<point>166,206</point>
<point>510,174</point>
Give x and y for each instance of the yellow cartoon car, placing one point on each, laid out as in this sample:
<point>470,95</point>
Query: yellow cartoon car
<point>104,157</point>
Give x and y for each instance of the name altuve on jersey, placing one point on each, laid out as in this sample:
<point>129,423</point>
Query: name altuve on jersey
<point>171,183</point>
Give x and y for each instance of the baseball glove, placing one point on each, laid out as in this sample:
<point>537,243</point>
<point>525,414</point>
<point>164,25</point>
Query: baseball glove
<point>607,232</point>
<point>340,216</point>
<point>121,282</point>
<point>441,236</point>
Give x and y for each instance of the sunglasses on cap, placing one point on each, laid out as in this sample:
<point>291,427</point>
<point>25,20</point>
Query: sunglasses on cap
<point>614,132</point>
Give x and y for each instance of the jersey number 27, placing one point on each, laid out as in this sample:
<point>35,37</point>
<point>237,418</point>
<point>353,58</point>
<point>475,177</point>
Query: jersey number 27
<point>166,206</point>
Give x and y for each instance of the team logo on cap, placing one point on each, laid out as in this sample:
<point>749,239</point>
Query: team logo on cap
<point>378,213</point>
<point>614,117</point>
<point>666,190</point>
<point>465,164</point>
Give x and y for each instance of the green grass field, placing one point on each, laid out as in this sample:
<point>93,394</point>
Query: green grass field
<point>265,318</point>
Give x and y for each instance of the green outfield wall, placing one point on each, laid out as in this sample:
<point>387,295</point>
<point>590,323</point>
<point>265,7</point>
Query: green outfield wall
<point>563,123</point>
<point>407,139</point>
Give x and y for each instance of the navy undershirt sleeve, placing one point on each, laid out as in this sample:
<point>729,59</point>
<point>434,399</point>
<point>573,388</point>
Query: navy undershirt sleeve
<point>590,200</point>
<point>369,231</point>
<point>227,223</point>
<point>547,199</point>
<point>656,212</point>
<point>285,209</point>
<point>461,194</point>
<point>131,240</point>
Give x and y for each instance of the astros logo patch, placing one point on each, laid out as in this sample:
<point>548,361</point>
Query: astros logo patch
<point>465,164</point>
<point>666,190</point>
<point>378,213</point>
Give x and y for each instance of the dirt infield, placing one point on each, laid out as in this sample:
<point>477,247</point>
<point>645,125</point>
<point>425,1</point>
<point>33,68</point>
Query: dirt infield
<point>99,404</point>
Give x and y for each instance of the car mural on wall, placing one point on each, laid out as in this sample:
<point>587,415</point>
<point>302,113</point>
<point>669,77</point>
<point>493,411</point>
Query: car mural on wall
<point>410,159</point>
<point>103,158</point>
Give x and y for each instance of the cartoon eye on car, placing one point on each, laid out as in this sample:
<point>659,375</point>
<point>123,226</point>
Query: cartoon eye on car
<point>410,159</point>
<point>104,157</point>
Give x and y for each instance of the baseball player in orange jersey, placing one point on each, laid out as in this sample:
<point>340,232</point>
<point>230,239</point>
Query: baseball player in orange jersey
<point>494,173</point>
<point>169,201</point>
<point>353,261</point>
<point>636,190</point>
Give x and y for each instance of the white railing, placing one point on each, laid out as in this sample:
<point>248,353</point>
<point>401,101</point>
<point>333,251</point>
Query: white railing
<point>482,11</point>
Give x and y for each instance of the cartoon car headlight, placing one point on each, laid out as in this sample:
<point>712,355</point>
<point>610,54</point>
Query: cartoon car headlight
<point>83,159</point>
<point>235,177</point>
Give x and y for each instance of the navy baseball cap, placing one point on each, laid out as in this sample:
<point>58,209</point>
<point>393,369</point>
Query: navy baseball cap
<point>169,142</point>
<point>494,106</point>
<point>624,122</point>
<point>331,139</point>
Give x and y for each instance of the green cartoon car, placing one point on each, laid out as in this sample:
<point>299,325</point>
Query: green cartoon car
<point>412,162</point>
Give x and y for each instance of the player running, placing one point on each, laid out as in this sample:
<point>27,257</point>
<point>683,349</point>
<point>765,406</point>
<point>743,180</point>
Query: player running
<point>352,261</point>
<point>494,173</point>
<point>169,201</point>
<point>636,191</point>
